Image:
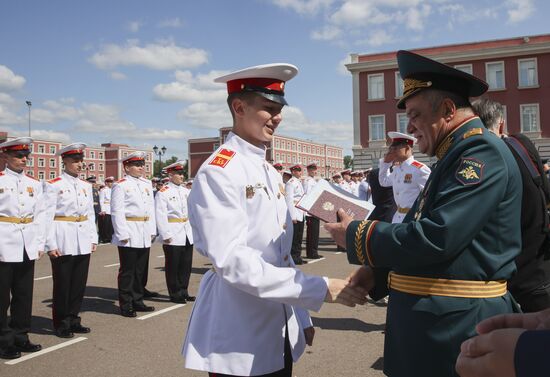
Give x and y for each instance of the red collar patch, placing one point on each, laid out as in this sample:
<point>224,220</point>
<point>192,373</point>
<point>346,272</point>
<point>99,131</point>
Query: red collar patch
<point>222,158</point>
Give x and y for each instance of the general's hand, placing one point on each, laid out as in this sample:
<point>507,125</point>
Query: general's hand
<point>362,277</point>
<point>309,334</point>
<point>339,291</point>
<point>530,321</point>
<point>54,253</point>
<point>489,355</point>
<point>124,242</point>
<point>338,230</point>
<point>94,247</point>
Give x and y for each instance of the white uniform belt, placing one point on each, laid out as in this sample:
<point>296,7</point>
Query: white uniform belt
<point>177,220</point>
<point>15,220</point>
<point>71,219</point>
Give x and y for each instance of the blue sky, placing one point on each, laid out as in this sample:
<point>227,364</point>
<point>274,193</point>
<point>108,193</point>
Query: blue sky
<point>140,72</point>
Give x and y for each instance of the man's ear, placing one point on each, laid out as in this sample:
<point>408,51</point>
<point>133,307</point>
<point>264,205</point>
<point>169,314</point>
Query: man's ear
<point>448,109</point>
<point>238,106</point>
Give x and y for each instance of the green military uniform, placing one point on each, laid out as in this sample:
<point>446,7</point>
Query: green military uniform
<point>451,256</point>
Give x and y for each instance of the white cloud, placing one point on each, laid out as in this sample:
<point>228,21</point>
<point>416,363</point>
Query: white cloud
<point>207,115</point>
<point>55,111</point>
<point>6,99</point>
<point>327,33</point>
<point>304,7</point>
<point>98,118</point>
<point>189,88</point>
<point>158,134</point>
<point>9,80</point>
<point>341,69</point>
<point>377,38</point>
<point>162,55</point>
<point>49,135</point>
<point>171,23</point>
<point>8,117</point>
<point>118,76</point>
<point>520,10</point>
<point>134,26</point>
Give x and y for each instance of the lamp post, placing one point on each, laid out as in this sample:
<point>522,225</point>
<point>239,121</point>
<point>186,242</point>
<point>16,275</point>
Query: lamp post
<point>159,152</point>
<point>29,104</point>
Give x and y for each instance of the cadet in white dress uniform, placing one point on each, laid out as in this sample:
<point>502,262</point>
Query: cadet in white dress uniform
<point>22,241</point>
<point>364,188</point>
<point>312,223</point>
<point>175,233</point>
<point>250,317</point>
<point>133,215</point>
<point>407,177</point>
<point>294,192</point>
<point>104,223</point>
<point>70,239</point>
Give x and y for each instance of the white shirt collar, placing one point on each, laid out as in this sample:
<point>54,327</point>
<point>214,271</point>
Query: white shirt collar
<point>244,146</point>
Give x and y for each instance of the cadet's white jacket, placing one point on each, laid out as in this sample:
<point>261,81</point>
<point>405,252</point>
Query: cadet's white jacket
<point>21,197</point>
<point>171,203</point>
<point>67,196</point>
<point>133,198</point>
<point>294,192</point>
<point>241,223</point>
<point>105,200</point>
<point>407,180</point>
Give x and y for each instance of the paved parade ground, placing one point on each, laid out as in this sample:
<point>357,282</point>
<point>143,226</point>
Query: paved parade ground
<point>348,341</point>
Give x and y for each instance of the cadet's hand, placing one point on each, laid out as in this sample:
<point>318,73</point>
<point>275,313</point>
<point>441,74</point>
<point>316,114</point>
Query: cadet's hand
<point>124,242</point>
<point>94,247</point>
<point>339,291</point>
<point>530,321</point>
<point>338,230</point>
<point>309,334</point>
<point>102,213</point>
<point>362,277</point>
<point>294,221</point>
<point>168,241</point>
<point>41,253</point>
<point>389,156</point>
<point>153,236</point>
<point>54,253</point>
<point>489,355</point>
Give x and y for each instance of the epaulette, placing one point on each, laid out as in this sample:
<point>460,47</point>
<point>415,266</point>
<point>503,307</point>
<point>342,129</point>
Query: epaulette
<point>54,180</point>
<point>472,132</point>
<point>222,158</point>
<point>164,188</point>
<point>121,180</point>
<point>2,173</point>
<point>417,164</point>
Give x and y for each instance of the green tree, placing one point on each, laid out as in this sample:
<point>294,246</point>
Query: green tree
<point>348,162</point>
<point>157,166</point>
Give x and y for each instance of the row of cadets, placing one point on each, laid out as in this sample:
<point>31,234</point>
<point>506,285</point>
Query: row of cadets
<point>403,173</point>
<point>363,189</point>
<point>22,231</point>
<point>312,223</point>
<point>71,237</point>
<point>104,223</point>
<point>175,233</point>
<point>133,216</point>
<point>294,192</point>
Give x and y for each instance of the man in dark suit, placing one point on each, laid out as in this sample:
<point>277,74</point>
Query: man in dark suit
<point>382,198</point>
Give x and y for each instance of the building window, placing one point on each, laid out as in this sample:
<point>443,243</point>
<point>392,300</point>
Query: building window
<point>41,163</point>
<point>41,148</point>
<point>529,117</point>
<point>465,68</point>
<point>92,154</point>
<point>216,146</point>
<point>41,175</point>
<point>147,157</point>
<point>101,156</point>
<point>31,173</point>
<point>399,85</point>
<point>30,161</point>
<point>147,168</point>
<point>527,72</point>
<point>299,159</point>
<point>377,127</point>
<point>52,162</point>
<point>125,154</point>
<point>402,122</point>
<point>101,167</point>
<point>495,75</point>
<point>376,86</point>
<point>52,149</point>
<point>101,177</point>
<point>52,175</point>
<point>277,157</point>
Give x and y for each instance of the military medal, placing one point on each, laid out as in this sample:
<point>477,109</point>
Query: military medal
<point>282,189</point>
<point>1,190</point>
<point>250,191</point>
<point>30,191</point>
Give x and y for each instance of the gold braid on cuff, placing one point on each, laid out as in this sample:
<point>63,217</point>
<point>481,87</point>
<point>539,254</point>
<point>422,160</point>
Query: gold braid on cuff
<point>359,241</point>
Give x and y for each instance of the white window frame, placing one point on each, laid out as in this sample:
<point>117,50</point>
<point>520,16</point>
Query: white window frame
<point>41,148</point>
<point>487,64</point>
<point>370,97</point>
<point>470,68</point>
<point>383,126</point>
<point>100,156</point>
<point>30,162</point>
<point>523,106</point>
<point>397,117</point>
<point>52,163</point>
<point>53,149</point>
<point>52,174</point>
<point>41,175</point>
<point>536,83</point>
<point>399,85</point>
<point>92,154</point>
<point>41,162</point>
<point>101,177</point>
<point>100,167</point>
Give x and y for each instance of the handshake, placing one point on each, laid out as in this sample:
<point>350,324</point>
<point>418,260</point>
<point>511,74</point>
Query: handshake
<point>353,290</point>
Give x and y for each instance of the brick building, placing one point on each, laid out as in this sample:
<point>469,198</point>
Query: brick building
<point>517,71</point>
<point>99,161</point>
<point>286,150</point>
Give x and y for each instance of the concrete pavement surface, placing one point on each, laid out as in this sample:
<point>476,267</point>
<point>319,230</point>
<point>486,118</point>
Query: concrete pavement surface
<point>348,341</point>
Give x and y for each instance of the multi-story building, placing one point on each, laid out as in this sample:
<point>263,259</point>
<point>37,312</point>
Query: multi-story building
<point>517,71</point>
<point>100,162</point>
<point>286,150</point>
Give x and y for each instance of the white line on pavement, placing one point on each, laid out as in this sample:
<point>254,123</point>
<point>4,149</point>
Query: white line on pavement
<point>45,350</point>
<point>338,252</point>
<point>160,256</point>
<point>315,260</point>
<point>44,277</point>
<point>112,265</point>
<point>161,311</point>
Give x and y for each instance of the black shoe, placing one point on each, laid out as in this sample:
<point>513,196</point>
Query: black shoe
<point>79,329</point>
<point>316,256</point>
<point>28,347</point>
<point>189,298</point>
<point>143,308</point>
<point>300,261</point>
<point>64,333</point>
<point>128,313</point>
<point>9,353</point>
<point>178,300</point>
<point>148,294</point>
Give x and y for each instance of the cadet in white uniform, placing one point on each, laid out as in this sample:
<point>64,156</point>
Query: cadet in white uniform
<point>364,187</point>
<point>175,233</point>
<point>399,170</point>
<point>346,182</point>
<point>22,242</point>
<point>104,223</point>
<point>70,239</point>
<point>133,215</point>
<point>312,223</point>
<point>294,192</point>
<point>250,317</point>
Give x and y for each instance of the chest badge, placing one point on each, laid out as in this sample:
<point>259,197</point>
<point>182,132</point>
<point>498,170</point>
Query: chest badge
<point>470,171</point>
<point>1,190</point>
<point>30,190</point>
<point>408,178</point>
<point>250,191</point>
<point>282,189</point>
